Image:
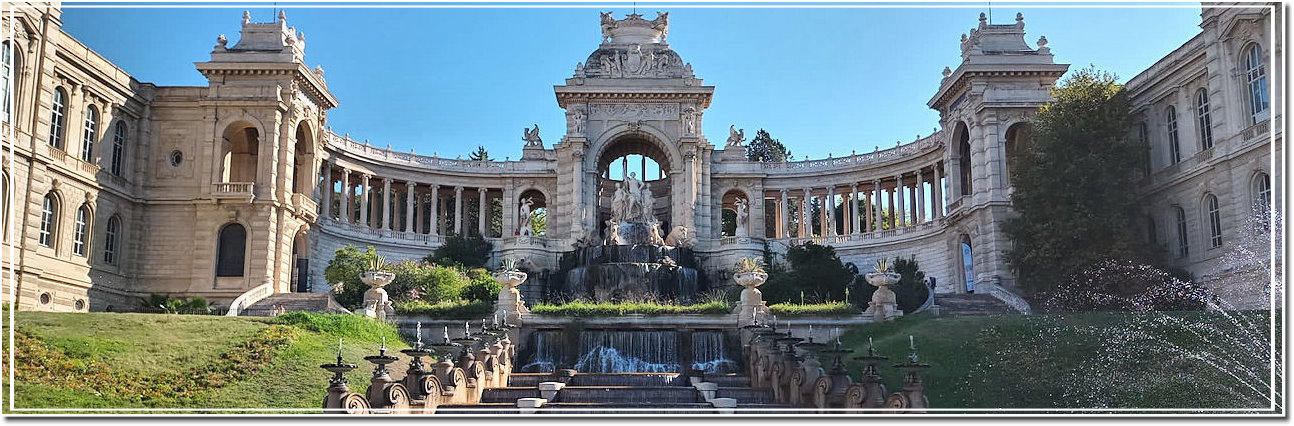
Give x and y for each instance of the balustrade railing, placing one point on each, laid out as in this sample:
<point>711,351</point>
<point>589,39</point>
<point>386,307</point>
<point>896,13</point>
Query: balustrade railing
<point>911,149</point>
<point>233,190</point>
<point>1257,130</point>
<point>385,154</point>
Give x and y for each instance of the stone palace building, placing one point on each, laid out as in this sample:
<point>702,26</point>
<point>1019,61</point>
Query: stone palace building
<point>117,189</point>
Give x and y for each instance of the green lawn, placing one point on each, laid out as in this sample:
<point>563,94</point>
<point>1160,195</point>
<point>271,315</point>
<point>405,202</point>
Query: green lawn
<point>1091,360</point>
<point>115,351</point>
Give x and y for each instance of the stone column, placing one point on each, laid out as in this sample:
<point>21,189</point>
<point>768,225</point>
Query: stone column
<point>879,221</point>
<point>344,203</point>
<point>480,211</point>
<point>853,205</point>
<point>806,216</point>
<point>458,210</point>
<point>784,222</point>
<point>937,194</point>
<point>410,187</point>
<point>418,201</point>
<point>829,211</point>
<point>921,202</point>
<point>327,193</point>
<point>868,224</point>
<point>434,223</point>
<point>900,209</point>
<point>363,198</point>
<point>386,204</point>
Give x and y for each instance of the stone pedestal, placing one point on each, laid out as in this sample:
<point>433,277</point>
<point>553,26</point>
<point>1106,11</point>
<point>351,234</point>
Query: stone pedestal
<point>752,300</point>
<point>884,305</point>
<point>509,305</point>
<point>376,303</point>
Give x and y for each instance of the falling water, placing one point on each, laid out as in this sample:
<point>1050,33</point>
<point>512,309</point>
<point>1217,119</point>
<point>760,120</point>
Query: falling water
<point>710,354</point>
<point>548,351</point>
<point>620,351</point>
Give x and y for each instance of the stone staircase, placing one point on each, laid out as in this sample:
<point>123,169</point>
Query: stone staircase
<point>959,304</point>
<point>615,393</point>
<point>309,302</point>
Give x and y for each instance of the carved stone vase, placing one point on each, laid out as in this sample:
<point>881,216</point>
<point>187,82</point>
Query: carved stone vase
<point>884,305</point>
<point>510,305</point>
<point>752,300</point>
<point>376,303</point>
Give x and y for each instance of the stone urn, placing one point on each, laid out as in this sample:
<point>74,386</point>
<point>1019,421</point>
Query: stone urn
<point>884,304</point>
<point>752,301</point>
<point>376,303</point>
<point>510,306</point>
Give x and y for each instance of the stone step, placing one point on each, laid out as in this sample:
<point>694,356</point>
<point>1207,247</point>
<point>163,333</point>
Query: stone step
<point>628,394</point>
<point>961,304</point>
<point>746,395</point>
<point>730,381</point>
<point>290,302</point>
<point>562,408</point>
<point>626,379</point>
<point>508,394</point>
<point>482,408</point>
<point>530,380</point>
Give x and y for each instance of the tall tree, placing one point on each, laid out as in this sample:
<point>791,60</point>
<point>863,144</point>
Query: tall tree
<point>480,155</point>
<point>764,148</point>
<point>1075,184</point>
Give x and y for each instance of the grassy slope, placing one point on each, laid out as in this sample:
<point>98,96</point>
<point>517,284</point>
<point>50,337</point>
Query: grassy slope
<point>1094,360</point>
<point>159,344</point>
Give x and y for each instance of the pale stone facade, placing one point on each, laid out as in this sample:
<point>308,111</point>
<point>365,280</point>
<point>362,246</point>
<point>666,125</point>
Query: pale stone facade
<point>251,150</point>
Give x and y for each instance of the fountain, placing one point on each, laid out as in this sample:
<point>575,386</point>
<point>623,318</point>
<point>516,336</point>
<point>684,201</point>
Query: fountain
<point>884,305</point>
<point>340,399</point>
<point>376,303</point>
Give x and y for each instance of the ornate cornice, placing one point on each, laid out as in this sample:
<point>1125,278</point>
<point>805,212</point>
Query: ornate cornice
<point>565,98</point>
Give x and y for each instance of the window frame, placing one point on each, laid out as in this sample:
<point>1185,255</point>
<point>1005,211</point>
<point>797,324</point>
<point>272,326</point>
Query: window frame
<point>224,255</point>
<point>7,85</point>
<point>1174,143</point>
<point>119,135</point>
<point>90,133</point>
<point>1204,119</point>
<point>1214,215</point>
<point>81,231</point>
<point>110,235</point>
<point>1256,83</point>
<point>48,221</point>
<point>1183,236</point>
<point>58,118</point>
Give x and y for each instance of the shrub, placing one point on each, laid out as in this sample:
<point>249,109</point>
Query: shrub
<point>471,252</point>
<point>457,309</point>
<point>815,272</point>
<point>830,309</point>
<point>581,308</point>
<point>429,283</point>
<point>911,292</point>
<point>482,290</point>
<point>343,273</point>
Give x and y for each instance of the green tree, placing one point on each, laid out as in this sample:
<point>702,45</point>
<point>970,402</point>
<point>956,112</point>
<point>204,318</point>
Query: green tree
<point>343,273</point>
<point>469,251</point>
<point>1075,191</point>
<point>481,154</point>
<point>539,221</point>
<point>814,270</point>
<point>764,148</point>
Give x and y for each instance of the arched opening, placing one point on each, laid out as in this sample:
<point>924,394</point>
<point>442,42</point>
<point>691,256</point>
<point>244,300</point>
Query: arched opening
<point>57,117</point>
<point>111,234</point>
<point>81,230</point>
<point>303,160</point>
<point>968,263</point>
<point>4,205</point>
<point>10,64</point>
<point>1183,238</point>
<point>633,182</point>
<point>301,262</point>
<point>241,147</point>
<point>532,213</point>
<point>1256,83</point>
<point>231,250</point>
<point>735,205</point>
<point>962,136</point>
<point>91,132</point>
<point>49,211</point>
<point>1213,214</point>
<point>1017,139</point>
<point>118,148</point>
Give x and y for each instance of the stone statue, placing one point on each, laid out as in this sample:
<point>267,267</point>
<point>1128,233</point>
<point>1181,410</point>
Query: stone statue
<point>735,137</point>
<point>654,236</point>
<point>620,204</point>
<point>613,233</point>
<point>578,118</point>
<point>532,137</point>
<point>678,237</point>
<point>645,201</point>
<point>661,23</point>
<point>635,62</point>
<point>689,121</point>
<point>523,216</point>
<point>743,216</point>
<point>247,17</point>
<point>608,23</point>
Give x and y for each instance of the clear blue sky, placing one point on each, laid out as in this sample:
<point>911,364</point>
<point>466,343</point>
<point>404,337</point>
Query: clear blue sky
<point>822,80</point>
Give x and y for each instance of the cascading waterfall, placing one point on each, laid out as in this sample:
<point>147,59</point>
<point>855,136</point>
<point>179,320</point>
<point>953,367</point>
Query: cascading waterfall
<point>548,351</point>
<point>710,354</point>
<point>617,351</point>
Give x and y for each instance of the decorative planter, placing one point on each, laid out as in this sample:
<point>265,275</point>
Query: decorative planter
<point>376,303</point>
<point>752,300</point>
<point>509,305</point>
<point>884,305</point>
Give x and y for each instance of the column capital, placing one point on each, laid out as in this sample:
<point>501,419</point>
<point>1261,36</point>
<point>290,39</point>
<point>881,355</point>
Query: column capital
<point>365,177</point>
<point>482,190</point>
<point>434,186</point>
<point>784,191</point>
<point>410,184</point>
<point>458,189</point>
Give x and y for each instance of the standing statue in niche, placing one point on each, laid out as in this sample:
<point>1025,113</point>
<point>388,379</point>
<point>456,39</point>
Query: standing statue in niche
<point>523,216</point>
<point>743,216</point>
<point>689,121</point>
<point>532,137</point>
<point>578,118</point>
<point>735,136</point>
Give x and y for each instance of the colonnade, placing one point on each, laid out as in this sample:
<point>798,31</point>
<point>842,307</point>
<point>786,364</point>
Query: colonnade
<point>407,206</point>
<point>905,195</point>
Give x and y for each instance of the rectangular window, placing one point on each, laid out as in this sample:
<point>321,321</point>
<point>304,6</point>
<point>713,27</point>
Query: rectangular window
<point>1174,148</point>
<point>1183,245</point>
<point>78,234</point>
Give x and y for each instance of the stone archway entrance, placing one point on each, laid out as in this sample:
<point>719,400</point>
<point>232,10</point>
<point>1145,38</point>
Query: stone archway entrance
<point>300,263</point>
<point>634,157</point>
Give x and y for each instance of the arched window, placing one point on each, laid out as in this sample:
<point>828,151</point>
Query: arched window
<point>91,131</point>
<point>1203,120</point>
<point>110,240</point>
<point>1263,190</point>
<point>964,152</point>
<point>48,220</point>
<point>118,147</point>
<point>57,113</point>
<point>81,230</point>
<point>1174,149</point>
<point>1215,220</point>
<point>231,250</point>
<point>4,206</point>
<point>1183,240</point>
<point>6,88</point>
<point>1256,83</point>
